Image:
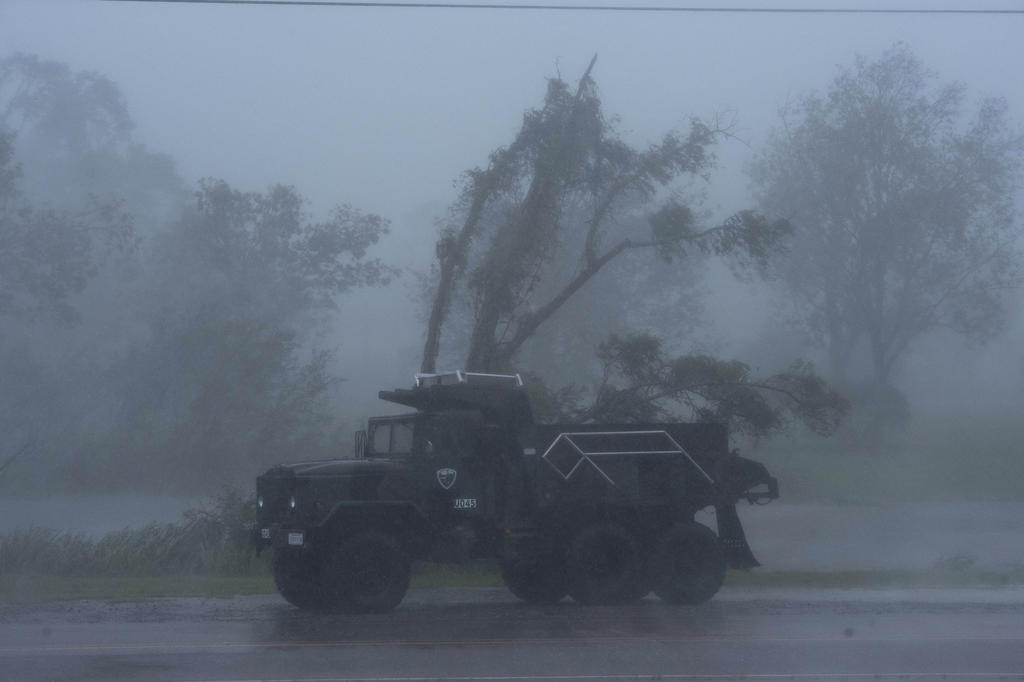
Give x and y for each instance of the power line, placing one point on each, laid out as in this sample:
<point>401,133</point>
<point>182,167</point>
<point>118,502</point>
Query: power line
<point>580,8</point>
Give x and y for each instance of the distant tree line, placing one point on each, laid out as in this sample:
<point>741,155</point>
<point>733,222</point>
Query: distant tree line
<point>903,215</point>
<point>152,337</point>
<point>882,215</point>
<point>165,336</point>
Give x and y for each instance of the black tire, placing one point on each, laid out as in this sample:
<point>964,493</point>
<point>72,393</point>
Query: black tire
<point>368,573</point>
<point>689,565</point>
<point>641,586</point>
<point>535,580</point>
<point>603,565</point>
<point>297,577</point>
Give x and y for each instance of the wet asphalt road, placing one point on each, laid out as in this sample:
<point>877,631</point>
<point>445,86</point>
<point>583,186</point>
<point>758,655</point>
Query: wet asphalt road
<point>485,634</point>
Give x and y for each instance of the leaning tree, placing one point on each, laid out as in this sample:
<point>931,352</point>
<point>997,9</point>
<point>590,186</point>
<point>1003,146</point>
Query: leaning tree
<point>554,209</point>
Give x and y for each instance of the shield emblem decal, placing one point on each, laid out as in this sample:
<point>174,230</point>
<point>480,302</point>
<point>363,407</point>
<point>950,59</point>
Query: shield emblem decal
<point>446,477</point>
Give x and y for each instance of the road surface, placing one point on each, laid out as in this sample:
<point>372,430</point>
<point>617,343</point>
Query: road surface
<point>484,634</point>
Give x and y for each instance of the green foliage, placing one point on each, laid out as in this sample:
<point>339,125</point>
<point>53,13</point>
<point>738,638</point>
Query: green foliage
<point>554,208</point>
<point>48,256</point>
<point>219,389</point>
<point>903,212</point>
<point>642,384</point>
<point>74,133</point>
<point>749,238</point>
<point>937,457</point>
<point>939,576</point>
<point>23,589</point>
<point>194,360</point>
<point>81,110</point>
<point>672,224</point>
<point>9,171</point>
<point>209,540</point>
<point>551,405</point>
<point>260,255</point>
<point>230,396</point>
<point>483,574</point>
<point>75,213</point>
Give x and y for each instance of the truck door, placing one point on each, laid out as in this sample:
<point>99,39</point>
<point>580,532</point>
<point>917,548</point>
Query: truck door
<point>483,465</point>
<point>458,467</point>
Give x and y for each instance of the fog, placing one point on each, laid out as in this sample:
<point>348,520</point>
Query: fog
<point>384,109</point>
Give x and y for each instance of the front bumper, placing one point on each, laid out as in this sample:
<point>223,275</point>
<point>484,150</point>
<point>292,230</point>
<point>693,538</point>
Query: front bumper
<point>278,537</point>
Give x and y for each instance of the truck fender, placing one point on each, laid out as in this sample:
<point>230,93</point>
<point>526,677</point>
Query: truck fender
<point>732,538</point>
<point>399,518</point>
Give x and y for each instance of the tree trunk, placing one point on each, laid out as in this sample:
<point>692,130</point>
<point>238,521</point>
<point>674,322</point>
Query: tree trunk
<point>482,343</point>
<point>537,212</point>
<point>442,300</point>
<point>451,256</point>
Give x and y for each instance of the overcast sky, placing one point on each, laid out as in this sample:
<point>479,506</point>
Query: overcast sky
<point>383,108</point>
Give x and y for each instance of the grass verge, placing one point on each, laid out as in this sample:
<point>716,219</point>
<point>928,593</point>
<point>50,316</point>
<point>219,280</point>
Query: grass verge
<point>939,457</point>
<point>28,589</point>
<point>879,578</point>
<point>22,589</point>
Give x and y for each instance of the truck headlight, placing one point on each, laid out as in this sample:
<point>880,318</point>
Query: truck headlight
<point>291,502</point>
<point>259,502</point>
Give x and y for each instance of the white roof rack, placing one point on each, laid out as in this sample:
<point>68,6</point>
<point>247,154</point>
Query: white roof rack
<point>470,378</point>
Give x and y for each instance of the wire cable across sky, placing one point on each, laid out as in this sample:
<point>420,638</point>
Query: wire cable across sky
<point>584,8</point>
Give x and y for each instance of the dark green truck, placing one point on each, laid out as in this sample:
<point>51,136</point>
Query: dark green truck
<point>603,513</point>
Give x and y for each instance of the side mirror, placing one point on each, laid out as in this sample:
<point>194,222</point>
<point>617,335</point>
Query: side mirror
<point>359,447</point>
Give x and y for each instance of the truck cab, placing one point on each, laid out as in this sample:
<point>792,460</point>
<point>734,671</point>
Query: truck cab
<point>454,465</point>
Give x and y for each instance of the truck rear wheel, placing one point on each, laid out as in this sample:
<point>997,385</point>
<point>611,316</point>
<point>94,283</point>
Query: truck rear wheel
<point>296,577</point>
<point>689,565</point>
<point>535,580</point>
<point>603,565</point>
<point>368,573</point>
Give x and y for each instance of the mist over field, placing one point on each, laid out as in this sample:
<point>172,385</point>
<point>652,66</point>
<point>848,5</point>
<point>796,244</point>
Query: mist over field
<point>223,229</point>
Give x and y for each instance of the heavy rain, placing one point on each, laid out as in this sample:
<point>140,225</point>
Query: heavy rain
<point>525,342</point>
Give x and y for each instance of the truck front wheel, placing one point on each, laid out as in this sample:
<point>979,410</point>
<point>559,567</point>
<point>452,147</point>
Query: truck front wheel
<point>689,565</point>
<point>296,578</point>
<point>368,573</point>
<point>603,565</point>
<point>535,580</point>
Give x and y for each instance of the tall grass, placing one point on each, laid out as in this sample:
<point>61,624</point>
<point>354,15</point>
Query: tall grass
<point>939,457</point>
<point>210,540</point>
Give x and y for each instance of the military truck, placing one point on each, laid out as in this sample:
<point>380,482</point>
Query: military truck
<point>603,513</point>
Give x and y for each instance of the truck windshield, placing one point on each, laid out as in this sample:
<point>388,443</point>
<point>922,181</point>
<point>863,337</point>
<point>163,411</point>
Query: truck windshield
<point>391,438</point>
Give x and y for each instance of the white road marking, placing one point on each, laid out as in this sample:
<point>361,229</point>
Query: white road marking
<point>656,676</point>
